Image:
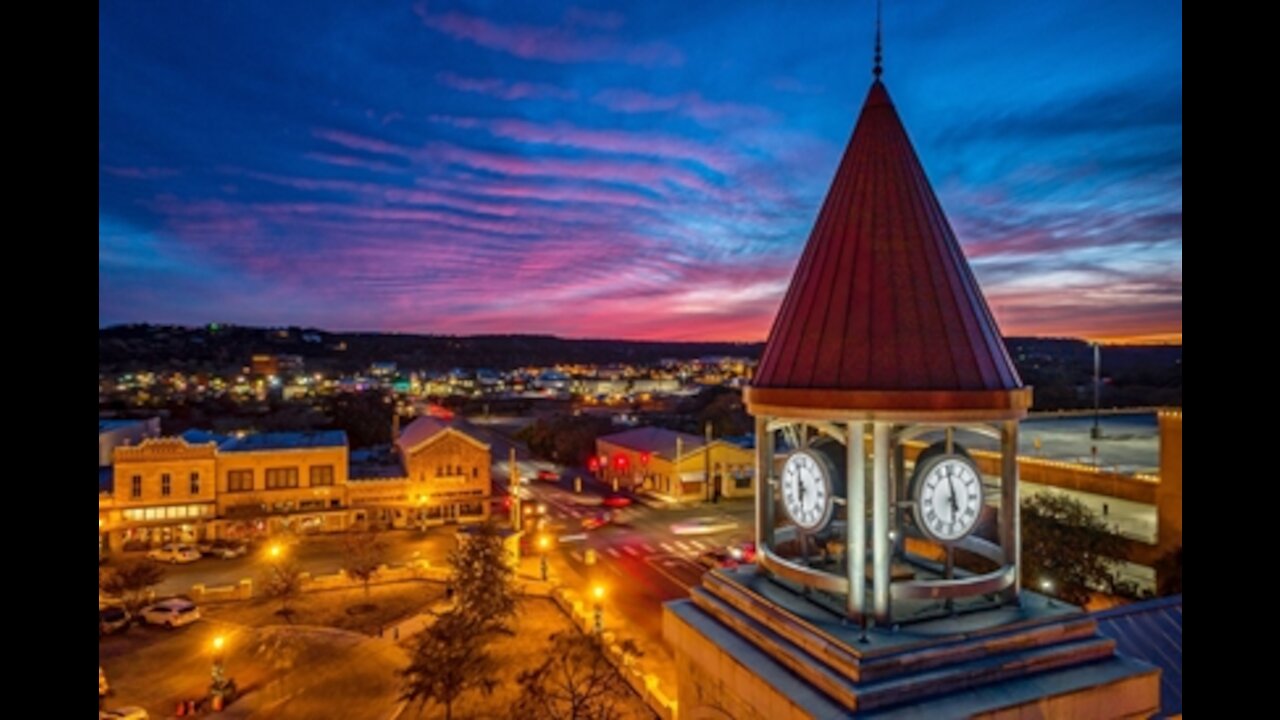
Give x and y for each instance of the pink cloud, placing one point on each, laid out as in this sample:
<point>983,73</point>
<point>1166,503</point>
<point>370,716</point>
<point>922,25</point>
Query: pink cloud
<point>690,104</point>
<point>551,44</point>
<point>505,89</point>
<point>606,141</point>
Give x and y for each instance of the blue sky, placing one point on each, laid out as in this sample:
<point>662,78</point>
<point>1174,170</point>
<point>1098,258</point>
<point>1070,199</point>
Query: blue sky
<point>640,170</point>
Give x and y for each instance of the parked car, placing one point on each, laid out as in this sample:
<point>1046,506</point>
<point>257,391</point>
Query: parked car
<point>171,613</point>
<point>549,476</point>
<point>224,549</point>
<point>616,501</point>
<point>704,525</point>
<point>597,521</point>
<point>128,712</point>
<point>173,553</point>
<point>112,619</point>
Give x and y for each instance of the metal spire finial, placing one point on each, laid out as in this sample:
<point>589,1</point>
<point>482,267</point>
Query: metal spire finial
<point>877,70</point>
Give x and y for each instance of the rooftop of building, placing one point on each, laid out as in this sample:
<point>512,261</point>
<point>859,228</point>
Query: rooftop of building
<point>1152,631</point>
<point>116,424</point>
<point>426,427</point>
<point>662,441</point>
<point>375,463</point>
<point>285,441</point>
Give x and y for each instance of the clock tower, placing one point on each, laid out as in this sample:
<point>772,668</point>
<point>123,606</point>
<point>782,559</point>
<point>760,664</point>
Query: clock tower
<point>887,554</point>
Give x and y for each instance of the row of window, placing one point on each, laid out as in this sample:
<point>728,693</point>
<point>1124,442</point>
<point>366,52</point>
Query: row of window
<point>456,470</point>
<point>279,478</point>
<point>168,512</point>
<point>241,480</point>
<point>166,485</point>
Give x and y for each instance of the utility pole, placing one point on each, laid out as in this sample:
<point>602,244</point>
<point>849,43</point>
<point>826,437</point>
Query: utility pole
<point>513,487</point>
<point>706,459</point>
<point>1097,392</point>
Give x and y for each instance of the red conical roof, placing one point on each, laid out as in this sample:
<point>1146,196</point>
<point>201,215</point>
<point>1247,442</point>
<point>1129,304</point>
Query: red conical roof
<point>883,311</point>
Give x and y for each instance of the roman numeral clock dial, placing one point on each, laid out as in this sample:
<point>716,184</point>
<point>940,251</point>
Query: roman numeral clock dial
<point>948,497</point>
<point>806,490</point>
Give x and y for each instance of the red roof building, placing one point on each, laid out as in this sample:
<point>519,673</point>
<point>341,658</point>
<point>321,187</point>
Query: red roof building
<point>883,312</point>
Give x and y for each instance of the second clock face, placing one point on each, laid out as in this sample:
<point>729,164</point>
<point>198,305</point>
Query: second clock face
<point>806,490</point>
<point>949,498</point>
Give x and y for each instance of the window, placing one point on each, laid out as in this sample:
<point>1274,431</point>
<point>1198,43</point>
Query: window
<point>195,483</point>
<point>278,478</point>
<point>135,486</point>
<point>475,472</point>
<point>742,482</point>
<point>439,471</point>
<point>321,475</point>
<point>239,480</point>
<point>166,484</point>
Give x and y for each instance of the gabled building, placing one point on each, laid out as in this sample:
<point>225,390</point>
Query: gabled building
<point>681,465</point>
<point>438,473</point>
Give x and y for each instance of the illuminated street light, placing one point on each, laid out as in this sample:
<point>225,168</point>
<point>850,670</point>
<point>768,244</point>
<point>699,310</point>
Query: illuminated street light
<point>597,593</point>
<point>1047,586</point>
<point>543,543</point>
<point>221,688</point>
<point>274,551</point>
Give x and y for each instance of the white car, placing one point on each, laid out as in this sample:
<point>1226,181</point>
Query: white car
<point>129,712</point>
<point>704,526</point>
<point>171,613</point>
<point>175,554</point>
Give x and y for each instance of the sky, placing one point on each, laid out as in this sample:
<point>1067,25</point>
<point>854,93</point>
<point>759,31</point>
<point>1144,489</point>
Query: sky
<point>627,170</point>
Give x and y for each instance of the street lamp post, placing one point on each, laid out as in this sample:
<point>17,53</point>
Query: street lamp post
<point>221,688</point>
<point>543,542</point>
<point>597,593</point>
<point>1047,586</point>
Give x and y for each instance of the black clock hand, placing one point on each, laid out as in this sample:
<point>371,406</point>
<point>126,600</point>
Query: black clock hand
<point>955,507</point>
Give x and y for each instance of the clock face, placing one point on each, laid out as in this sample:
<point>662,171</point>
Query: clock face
<point>949,498</point>
<point>806,490</point>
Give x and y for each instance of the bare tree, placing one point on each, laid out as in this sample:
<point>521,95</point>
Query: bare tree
<point>131,581</point>
<point>448,660</point>
<point>483,578</point>
<point>284,583</point>
<point>1068,548</point>
<point>365,551</point>
<point>574,682</point>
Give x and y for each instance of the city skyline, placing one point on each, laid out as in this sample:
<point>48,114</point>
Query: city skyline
<point>647,174</point>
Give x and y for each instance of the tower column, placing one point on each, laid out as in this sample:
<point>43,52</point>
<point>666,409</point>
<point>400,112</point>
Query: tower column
<point>764,484</point>
<point>880,548</point>
<point>856,522</point>
<point>1010,532</point>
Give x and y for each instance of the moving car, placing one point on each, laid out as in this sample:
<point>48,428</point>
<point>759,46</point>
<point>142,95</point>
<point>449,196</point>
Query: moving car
<point>128,712</point>
<point>171,613</point>
<point>704,525</point>
<point>174,553</point>
<point>112,619</point>
<point>224,549</point>
<point>597,521</point>
<point>729,556</point>
<point>616,501</point>
<point>549,476</point>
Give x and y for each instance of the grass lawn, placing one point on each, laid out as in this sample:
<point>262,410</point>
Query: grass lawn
<point>336,608</point>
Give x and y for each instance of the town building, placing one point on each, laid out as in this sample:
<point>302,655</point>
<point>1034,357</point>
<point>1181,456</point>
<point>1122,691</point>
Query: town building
<point>282,482</point>
<point>438,473</point>
<point>680,465</point>
<point>114,433</point>
<point>203,486</point>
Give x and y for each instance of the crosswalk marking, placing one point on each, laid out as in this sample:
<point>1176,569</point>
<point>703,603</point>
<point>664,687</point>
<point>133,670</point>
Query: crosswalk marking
<point>667,547</point>
<point>613,552</point>
<point>577,555</point>
<point>698,544</point>
<point>647,547</point>
<point>630,551</point>
<point>683,547</point>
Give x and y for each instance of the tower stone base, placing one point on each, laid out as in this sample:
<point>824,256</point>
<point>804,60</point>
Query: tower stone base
<point>750,648</point>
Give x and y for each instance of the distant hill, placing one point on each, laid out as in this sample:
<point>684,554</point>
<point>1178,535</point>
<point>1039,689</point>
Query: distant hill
<point>227,348</point>
<point>1060,369</point>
